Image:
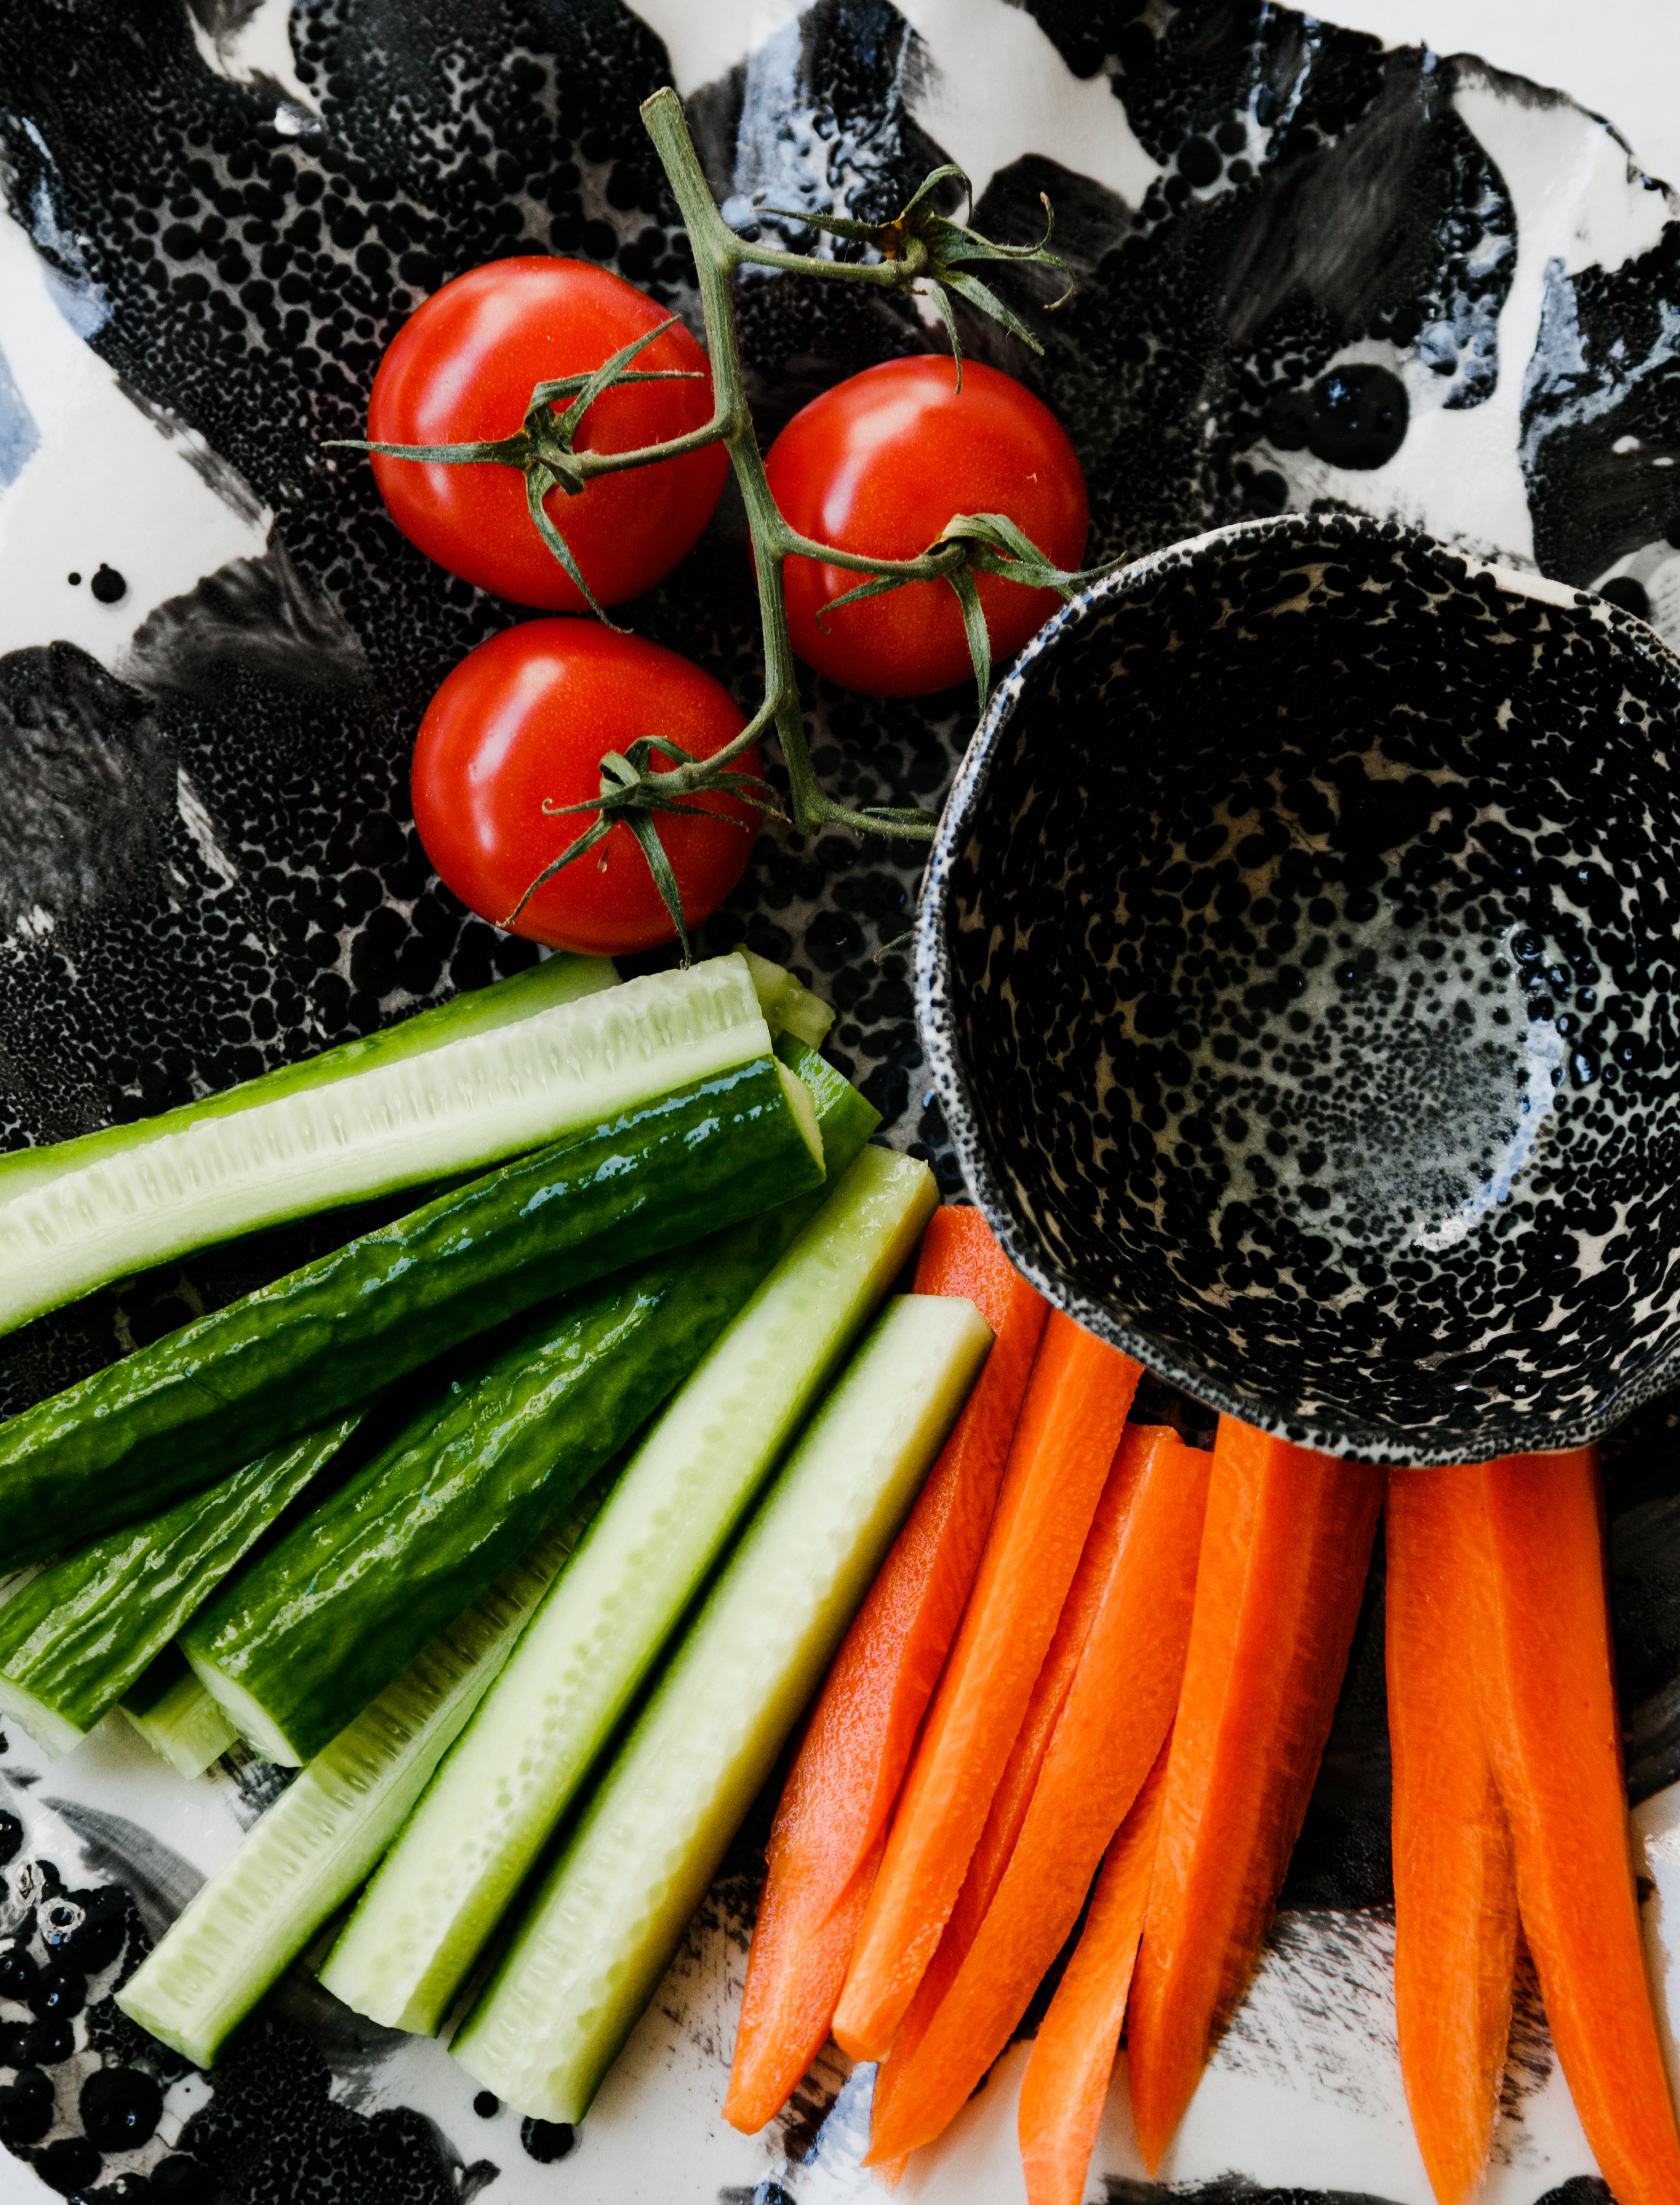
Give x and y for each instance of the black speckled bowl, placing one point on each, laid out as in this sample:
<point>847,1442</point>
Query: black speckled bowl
<point>1298,969</point>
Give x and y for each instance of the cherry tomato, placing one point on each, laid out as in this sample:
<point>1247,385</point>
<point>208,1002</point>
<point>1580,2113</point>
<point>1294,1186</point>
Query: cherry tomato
<point>462,368</point>
<point>524,719</point>
<point>877,466</point>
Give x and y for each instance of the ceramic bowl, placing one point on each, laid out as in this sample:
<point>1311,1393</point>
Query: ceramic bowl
<point>1296,969</point>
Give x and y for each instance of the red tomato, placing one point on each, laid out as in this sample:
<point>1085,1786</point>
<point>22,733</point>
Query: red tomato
<point>878,465</point>
<point>526,718</point>
<point>463,367</point>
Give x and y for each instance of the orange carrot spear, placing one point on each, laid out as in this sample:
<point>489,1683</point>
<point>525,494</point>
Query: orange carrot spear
<point>1282,1569</point>
<point>1141,1558</point>
<point>1455,1893</point>
<point>832,1821</point>
<point>1070,1425</point>
<point>1546,1691</point>
<point>1066,2083</point>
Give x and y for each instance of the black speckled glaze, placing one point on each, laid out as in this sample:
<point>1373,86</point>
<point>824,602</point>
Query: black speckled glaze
<point>1322,263</point>
<point>1296,973</point>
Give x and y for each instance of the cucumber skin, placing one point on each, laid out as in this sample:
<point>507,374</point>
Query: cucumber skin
<point>234,1941</point>
<point>131,1440</point>
<point>78,1636</point>
<point>512,1777</point>
<point>324,1621</point>
<point>589,1955</point>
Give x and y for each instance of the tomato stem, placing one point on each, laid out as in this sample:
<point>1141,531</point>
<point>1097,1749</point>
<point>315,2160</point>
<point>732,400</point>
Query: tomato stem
<point>921,250</point>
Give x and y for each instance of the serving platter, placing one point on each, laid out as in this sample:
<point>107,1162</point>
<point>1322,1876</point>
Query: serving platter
<point>1312,271</point>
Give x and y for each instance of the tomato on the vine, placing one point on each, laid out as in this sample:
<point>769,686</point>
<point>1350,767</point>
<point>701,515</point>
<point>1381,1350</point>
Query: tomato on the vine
<point>462,370</point>
<point>877,466</point>
<point>524,719</point>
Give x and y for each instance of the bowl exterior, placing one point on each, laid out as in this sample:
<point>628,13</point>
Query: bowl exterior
<point>1312,1359</point>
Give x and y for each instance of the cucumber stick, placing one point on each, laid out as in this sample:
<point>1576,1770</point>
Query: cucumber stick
<point>495,1801</point>
<point>79,1635</point>
<point>132,1439</point>
<point>326,1619</point>
<point>299,1864</point>
<point>611,1913</point>
<point>788,1008</point>
<point>495,1071</point>
<point>175,1716</point>
<point>543,987</point>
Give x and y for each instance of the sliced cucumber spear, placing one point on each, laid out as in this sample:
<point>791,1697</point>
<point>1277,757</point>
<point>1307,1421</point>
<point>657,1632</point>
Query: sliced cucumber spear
<point>77,1637</point>
<point>300,1863</point>
<point>788,1008</point>
<point>495,1802</point>
<point>501,1069</point>
<point>175,1716</point>
<point>611,1913</point>
<point>132,1439</point>
<point>306,1637</point>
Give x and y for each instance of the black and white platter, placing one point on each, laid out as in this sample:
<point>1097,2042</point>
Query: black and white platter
<point>1314,270</point>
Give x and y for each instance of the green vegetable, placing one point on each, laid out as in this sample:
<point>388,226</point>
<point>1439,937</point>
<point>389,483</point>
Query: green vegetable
<point>305,1638</point>
<point>300,1863</point>
<point>79,1634</point>
<point>498,1070</point>
<point>175,1716</point>
<point>495,1802</point>
<point>788,1008</point>
<point>131,1440</point>
<point>611,1911</point>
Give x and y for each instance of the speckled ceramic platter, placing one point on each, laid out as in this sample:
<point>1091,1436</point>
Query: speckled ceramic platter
<point>1313,272</point>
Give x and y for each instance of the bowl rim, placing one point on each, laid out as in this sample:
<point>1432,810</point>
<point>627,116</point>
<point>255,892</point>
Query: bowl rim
<point>1333,1434</point>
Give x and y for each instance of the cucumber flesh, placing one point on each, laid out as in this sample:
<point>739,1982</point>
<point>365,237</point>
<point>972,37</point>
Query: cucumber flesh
<point>295,1647</point>
<point>789,1006</point>
<point>299,1864</point>
<point>495,1802</point>
<point>396,1115</point>
<point>175,1716</point>
<point>563,978</point>
<point>168,1420</point>
<point>611,1913</point>
<point>79,1635</point>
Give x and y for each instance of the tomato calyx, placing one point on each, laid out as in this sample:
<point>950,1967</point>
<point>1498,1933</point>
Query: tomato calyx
<point>993,544</point>
<point>632,791</point>
<point>930,248</point>
<point>541,447</point>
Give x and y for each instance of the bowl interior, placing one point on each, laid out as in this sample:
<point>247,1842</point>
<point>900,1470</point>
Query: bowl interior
<point>1297,973</point>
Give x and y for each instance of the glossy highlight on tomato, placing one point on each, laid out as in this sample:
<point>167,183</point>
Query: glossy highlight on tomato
<point>462,369</point>
<point>877,466</point>
<point>524,719</point>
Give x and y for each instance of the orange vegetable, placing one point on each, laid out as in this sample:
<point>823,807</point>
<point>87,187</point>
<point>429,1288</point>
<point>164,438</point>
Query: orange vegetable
<point>997,1841</point>
<point>1070,1425</point>
<point>1546,1693</point>
<point>1009,1807</point>
<point>1282,1568</point>
<point>1066,2083</point>
<point>1131,1601</point>
<point>832,1821</point>
<point>1455,1893</point>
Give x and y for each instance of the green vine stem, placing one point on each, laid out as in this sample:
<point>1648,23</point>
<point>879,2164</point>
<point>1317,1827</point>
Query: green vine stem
<point>921,250</point>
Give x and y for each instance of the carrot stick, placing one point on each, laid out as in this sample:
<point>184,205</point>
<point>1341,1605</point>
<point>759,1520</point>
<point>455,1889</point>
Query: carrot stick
<point>832,1821</point>
<point>996,1842</point>
<point>1546,1693</point>
<point>1138,1574</point>
<point>1282,1568</point>
<point>1009,1803</point>
<point>1066,2083</point>
<point>1070,1425</point>
<point>1455,1893</point>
